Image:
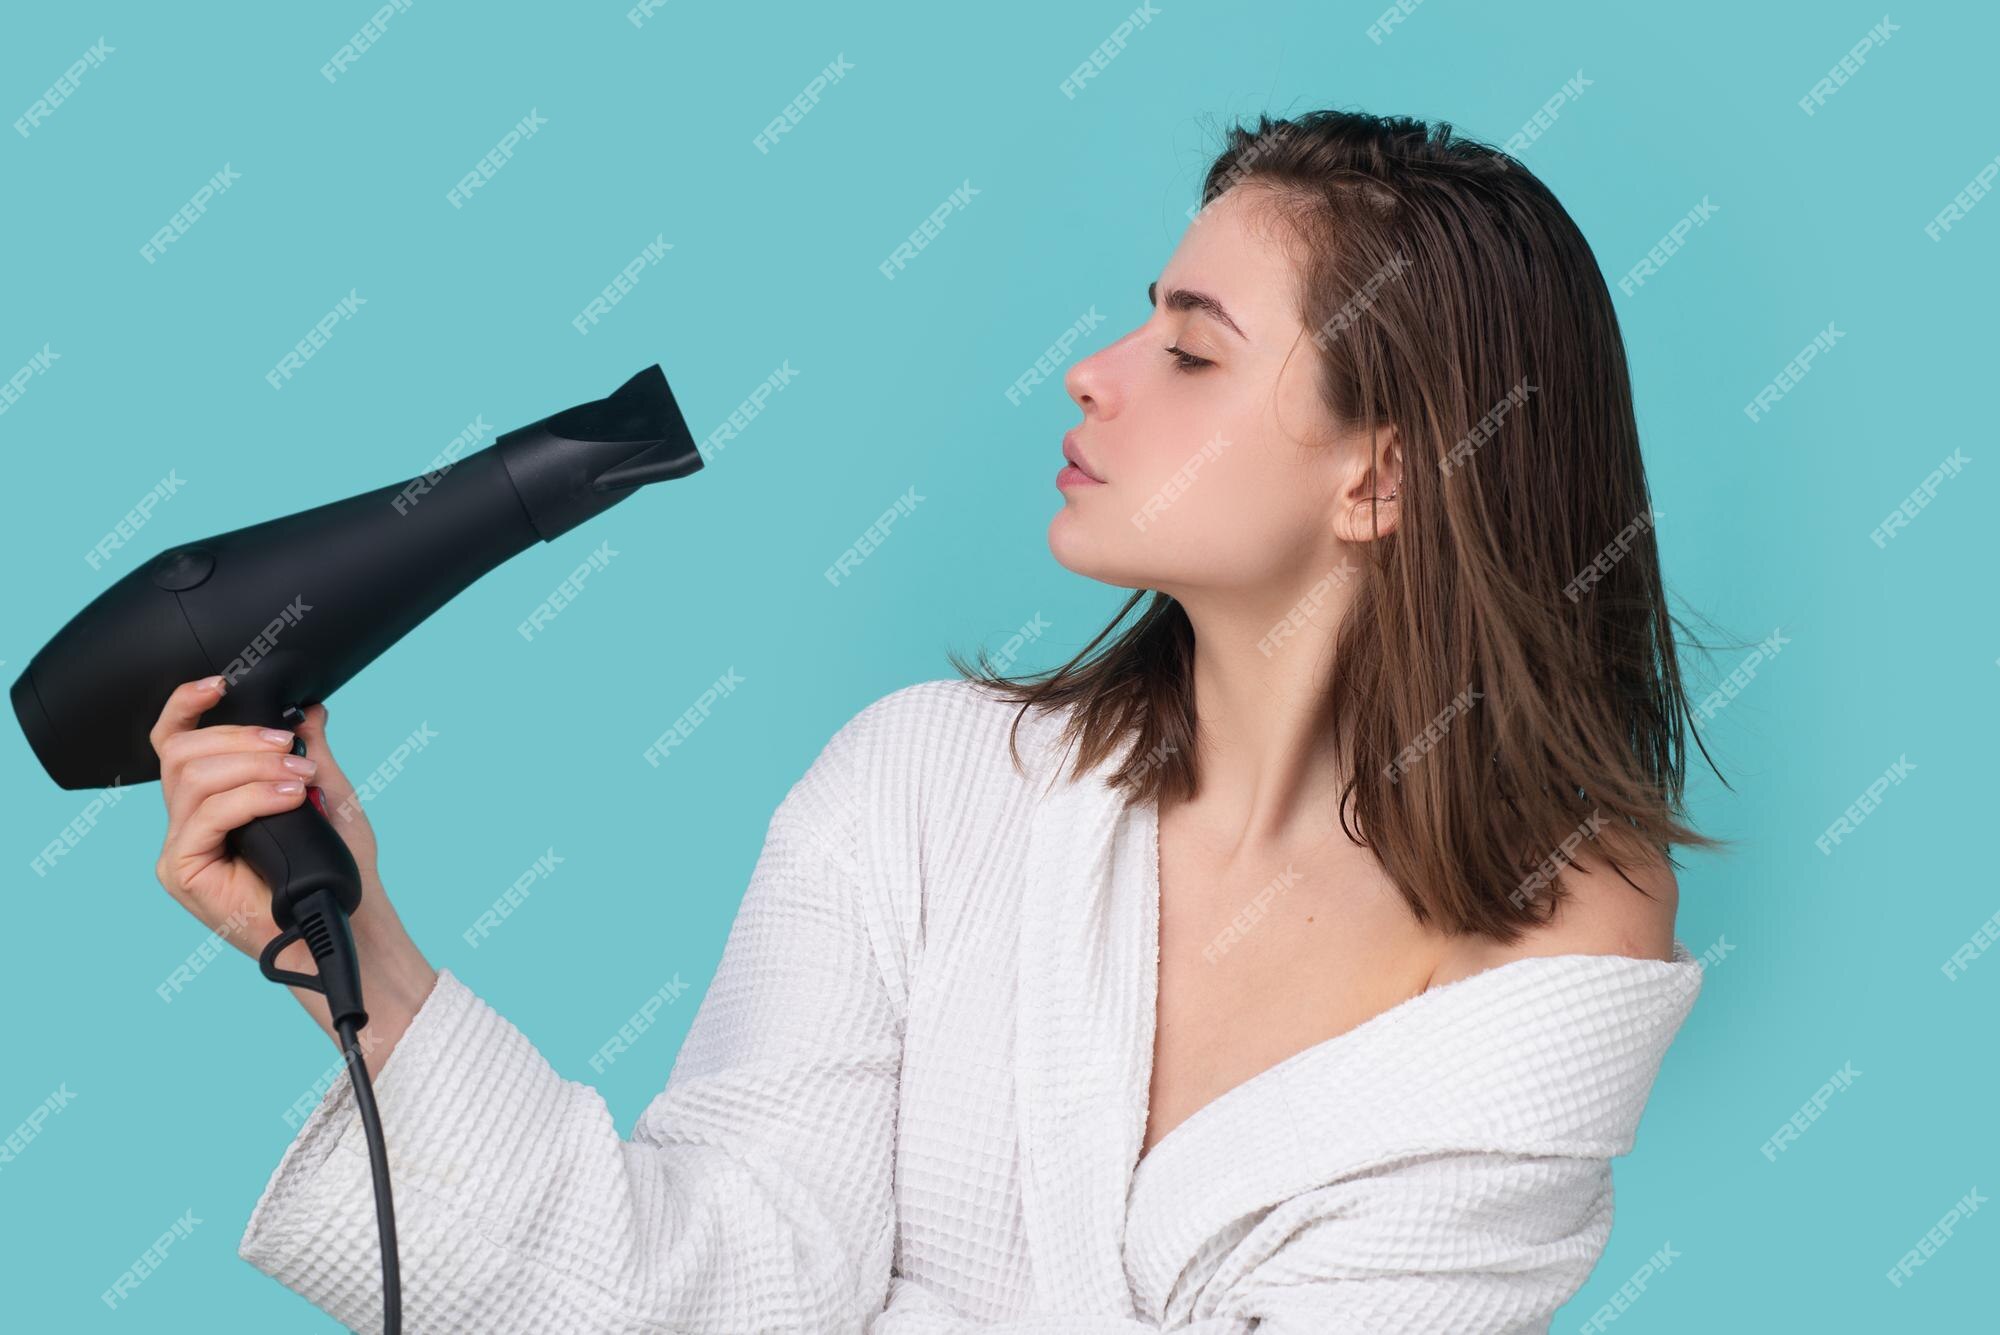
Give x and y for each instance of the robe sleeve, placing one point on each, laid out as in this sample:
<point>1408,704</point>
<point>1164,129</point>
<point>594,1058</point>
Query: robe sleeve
<point>754,1194</point>
<point>1475,1243</point>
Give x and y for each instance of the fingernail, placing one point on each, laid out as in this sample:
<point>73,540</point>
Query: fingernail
<point>211,683</point>
<point>300,764</point>
<point>288,786</point>
<point>275,736</point>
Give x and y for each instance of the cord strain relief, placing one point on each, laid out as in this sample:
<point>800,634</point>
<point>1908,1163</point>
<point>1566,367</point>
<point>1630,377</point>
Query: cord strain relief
<point>322,924</point>
<point>318,934</point>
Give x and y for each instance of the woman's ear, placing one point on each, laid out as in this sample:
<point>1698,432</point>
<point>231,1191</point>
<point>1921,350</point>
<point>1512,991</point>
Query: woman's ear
<point>1368,494</point>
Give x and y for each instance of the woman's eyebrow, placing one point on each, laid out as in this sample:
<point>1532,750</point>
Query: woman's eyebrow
<point>1180,299</point>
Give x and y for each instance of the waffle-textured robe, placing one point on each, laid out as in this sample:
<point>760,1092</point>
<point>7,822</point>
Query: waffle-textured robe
<point>912,1099</point>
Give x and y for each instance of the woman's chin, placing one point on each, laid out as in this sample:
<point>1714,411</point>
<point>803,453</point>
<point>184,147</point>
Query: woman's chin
<point>1076,550</point>
<point>1069,543</point>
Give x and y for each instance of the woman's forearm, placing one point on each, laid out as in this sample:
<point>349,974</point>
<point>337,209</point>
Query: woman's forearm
<point>396,979</point>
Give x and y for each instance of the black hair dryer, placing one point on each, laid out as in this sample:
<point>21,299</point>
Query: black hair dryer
<point>286,611</point>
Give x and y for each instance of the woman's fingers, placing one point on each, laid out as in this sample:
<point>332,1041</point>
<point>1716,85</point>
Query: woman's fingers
<point>198,841</point>
<point>177,736</point>
<point>203,776</point>
<point>189,701</point>
<point>183,748</point>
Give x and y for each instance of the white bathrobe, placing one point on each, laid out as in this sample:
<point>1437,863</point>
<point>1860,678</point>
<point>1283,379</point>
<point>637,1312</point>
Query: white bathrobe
<point>913,1096</point>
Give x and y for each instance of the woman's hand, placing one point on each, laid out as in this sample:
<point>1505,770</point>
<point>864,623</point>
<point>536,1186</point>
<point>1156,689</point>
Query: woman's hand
<point>220,777</point>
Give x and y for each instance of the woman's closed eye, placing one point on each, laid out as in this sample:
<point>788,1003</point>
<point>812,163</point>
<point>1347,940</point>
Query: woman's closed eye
<point>1187,361</point>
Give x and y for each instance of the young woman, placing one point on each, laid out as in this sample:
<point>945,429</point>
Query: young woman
<point>1297,963</point>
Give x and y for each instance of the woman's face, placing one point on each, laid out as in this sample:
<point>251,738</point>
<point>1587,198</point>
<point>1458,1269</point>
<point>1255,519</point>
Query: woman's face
<point>1218,472</point>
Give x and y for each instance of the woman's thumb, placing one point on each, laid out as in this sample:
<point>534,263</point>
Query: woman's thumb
<point>333,782</point>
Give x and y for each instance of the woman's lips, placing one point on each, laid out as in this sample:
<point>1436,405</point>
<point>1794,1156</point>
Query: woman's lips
<point>1079,470</point>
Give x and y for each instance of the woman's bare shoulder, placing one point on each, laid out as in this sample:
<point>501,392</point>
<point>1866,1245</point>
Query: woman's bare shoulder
<point>1602,913</point>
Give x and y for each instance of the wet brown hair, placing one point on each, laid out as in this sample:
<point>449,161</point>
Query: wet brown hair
<point>1506,683</point>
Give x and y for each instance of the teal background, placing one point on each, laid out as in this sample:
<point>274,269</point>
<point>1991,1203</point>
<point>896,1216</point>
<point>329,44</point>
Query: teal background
<point>1831,959</point>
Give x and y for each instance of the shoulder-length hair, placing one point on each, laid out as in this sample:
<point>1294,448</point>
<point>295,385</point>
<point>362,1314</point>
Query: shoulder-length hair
<point>1505,684</point>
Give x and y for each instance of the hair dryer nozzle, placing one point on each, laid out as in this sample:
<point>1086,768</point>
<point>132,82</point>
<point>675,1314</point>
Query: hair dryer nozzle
<point>583,460</point>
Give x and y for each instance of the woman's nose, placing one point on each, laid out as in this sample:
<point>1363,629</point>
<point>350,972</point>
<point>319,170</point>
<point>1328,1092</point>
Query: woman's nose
<point>1092,382</point>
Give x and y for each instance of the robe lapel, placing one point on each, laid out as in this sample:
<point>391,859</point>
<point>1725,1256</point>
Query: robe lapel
<point>1546,1055</point>
<point>1083,1035</point>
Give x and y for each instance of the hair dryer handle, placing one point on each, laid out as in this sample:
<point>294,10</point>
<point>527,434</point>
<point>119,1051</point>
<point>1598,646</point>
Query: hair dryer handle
<point>315,888</point>
<point>299,853</point>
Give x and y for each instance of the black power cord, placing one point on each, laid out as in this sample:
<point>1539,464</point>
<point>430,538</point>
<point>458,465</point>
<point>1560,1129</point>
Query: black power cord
<point>320,921</point>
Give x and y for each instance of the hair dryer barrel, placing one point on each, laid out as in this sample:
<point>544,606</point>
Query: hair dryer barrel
<point>288,610</point>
